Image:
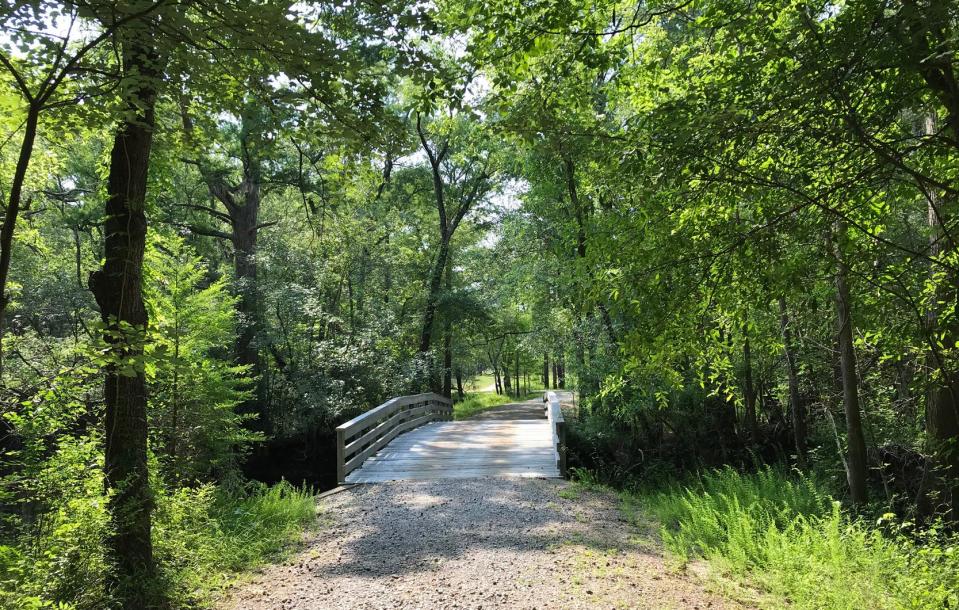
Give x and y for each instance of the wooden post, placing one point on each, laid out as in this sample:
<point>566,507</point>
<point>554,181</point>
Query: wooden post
<point>561,449</point>
<point>554,413</point>
<point>340,457</point>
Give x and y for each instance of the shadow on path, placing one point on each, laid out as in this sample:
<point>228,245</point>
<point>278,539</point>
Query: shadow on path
<point>474,543</point>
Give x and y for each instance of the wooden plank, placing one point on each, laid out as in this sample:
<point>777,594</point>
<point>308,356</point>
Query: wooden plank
<point>541,465</point>
<point>360,477</point>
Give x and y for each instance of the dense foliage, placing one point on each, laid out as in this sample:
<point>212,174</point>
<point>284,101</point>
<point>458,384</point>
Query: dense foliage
<point>230,225</point>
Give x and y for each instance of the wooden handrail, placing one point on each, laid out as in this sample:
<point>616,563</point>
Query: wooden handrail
<point>366,434</point>
<point>554,413</point>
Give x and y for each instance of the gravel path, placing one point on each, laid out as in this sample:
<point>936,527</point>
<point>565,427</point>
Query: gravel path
<point>474,543</point>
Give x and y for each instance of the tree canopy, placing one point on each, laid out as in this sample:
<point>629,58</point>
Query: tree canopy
<point>229,226</point>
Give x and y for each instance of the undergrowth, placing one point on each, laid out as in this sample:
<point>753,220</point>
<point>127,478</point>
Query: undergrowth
<point>202,537</point>
<point>784,535</point>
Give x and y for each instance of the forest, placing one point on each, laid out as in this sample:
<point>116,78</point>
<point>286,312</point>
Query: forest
<point>231,225</point>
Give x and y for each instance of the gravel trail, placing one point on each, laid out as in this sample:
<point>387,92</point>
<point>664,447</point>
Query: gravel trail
<point>474,543</point>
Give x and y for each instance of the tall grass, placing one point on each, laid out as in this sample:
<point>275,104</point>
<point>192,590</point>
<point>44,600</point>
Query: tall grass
<point>786,536</point>
<point>205,536</point>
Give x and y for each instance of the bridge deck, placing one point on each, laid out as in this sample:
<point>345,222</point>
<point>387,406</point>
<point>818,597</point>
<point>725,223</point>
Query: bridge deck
<point>498,445</point>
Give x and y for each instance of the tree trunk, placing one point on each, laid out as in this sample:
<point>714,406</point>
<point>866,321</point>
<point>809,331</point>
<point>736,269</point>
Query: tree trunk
<point>545,370</point>
<point>750,392</point>
<point>942,399</point>
<point>516,372</point>
<point>795,404</point>
<point>11,212</point>
<point>555,375</point>
<point>242,204</point>
<point>459,383</point>
<point>117,289</point>
<point>448,338</point>
<point>432,296</point>
<point>448,363</point>
<point>507,383</point>
<point>561,369</point>
<point>244,218</point>
<point>855,439</point>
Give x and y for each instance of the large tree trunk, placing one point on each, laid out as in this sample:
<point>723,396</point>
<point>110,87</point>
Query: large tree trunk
<point>242,204</point>
<point>244,218</point>
<point>928,33</point>
<point>942,399</point>
<point>795,404</point>
<point>117,289</point>
<point>855,439</point>
<point>432,296</point>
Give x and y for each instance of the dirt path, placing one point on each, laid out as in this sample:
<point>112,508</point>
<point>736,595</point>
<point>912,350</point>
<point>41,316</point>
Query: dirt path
<point>475,543</point>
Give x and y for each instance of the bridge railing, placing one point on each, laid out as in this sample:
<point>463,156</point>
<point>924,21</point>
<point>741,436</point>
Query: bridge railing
<point>554,413</point>
<point>366,434</point>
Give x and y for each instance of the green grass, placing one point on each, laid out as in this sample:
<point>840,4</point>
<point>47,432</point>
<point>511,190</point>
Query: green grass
<point>204,538</point>
<point>791,541</point>
<point>479,383</point>
<point>481,401</point>
<point>477,403</point>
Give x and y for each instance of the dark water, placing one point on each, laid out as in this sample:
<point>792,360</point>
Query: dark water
<point>308,459</point>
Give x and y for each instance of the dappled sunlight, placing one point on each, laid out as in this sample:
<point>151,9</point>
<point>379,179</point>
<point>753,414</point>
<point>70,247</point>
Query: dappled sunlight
<point>444,542</point>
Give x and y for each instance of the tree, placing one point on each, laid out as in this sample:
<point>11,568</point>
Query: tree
<point>461,170</point>
<point>117,287</point>
<point>42,79</point>
<point>194,387</point>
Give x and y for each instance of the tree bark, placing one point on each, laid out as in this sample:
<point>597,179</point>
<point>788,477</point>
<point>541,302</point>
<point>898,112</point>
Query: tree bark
<point>117,289</point>
<point>795,404</point>
<point>855,439</point>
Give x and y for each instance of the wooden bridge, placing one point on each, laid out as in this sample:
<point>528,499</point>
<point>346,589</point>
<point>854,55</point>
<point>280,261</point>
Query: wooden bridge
<point>414,438</point>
